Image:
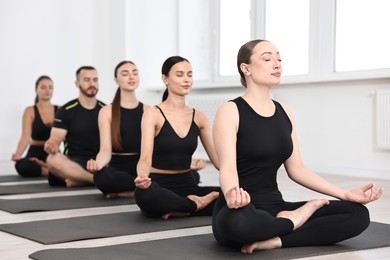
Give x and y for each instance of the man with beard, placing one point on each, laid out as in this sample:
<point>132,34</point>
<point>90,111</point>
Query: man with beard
<point>75,123</point>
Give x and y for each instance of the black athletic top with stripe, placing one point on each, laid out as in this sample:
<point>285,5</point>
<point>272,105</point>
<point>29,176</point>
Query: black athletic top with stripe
<point>263,145</point>
<point>40,131</point>
<point>82,138</point>
<point>130,129</point>
<point>171,152</point>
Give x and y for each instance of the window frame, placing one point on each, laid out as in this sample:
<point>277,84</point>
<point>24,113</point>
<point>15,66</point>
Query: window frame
<point>322,30</point>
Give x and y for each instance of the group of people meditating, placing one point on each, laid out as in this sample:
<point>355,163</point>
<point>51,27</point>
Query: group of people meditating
<point>130,149</point>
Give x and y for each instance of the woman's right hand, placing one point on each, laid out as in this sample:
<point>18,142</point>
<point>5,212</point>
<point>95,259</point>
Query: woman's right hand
<point>142,182</point>
<point>93,165</point>
<point>237,198</point>
<point>15,157</point>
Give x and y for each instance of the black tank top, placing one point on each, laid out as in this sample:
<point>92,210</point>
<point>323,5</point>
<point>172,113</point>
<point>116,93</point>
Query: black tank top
<point>40,131</point>
<point>130,129</point>
<point>172,152</point>
<point>263,145</point>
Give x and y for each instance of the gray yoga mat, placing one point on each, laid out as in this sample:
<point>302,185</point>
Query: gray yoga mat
<point>15,177</point>
<point>61,203</point>
<point>35,188</point>
<point>205,247</point>
<point>97,226</point>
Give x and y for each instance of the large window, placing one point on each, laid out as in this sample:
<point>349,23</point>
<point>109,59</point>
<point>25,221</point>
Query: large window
<point>289,31</point>
<point>318,40</point>
<point>362,40</point>
<point>194,40</point>
<point>234,30</point>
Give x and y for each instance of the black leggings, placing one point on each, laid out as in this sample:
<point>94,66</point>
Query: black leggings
<point>118,176</point>
<point>168,193</point>
<point>27,168</point>
<point>330,224</point>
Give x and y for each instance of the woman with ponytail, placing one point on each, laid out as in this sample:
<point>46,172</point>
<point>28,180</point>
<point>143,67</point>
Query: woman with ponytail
<point>36,126</point>
<point>120,136</point>
<point>166,186</point>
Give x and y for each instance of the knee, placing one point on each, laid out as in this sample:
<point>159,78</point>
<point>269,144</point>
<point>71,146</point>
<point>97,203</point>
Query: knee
<point>147,199</point>
<point>54,161</point>
<point>22,167</point>
<point>361,216</point>
<point>103,179</point>
<point>232,224</point>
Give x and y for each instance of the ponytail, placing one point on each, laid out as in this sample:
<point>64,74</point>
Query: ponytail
<point>116,139</point>
<point>165,95</point>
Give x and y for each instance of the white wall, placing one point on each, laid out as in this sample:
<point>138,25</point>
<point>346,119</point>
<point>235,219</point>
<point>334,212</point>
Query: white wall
<point>151,30</point>
<point>336,126</point>
<point>335,121</point>
<point>54,37</point>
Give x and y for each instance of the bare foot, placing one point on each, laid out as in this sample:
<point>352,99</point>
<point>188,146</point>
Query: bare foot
<point>298,217</point>
<point>302,214</point>
<point>125,194</point>
<point>202,202</point>
<point>70,183</point>
<point>175,214</point>
<point>262,245</point>
<point>45,172</point>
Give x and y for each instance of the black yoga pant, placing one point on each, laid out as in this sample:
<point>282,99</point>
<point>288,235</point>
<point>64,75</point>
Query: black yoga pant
<point>27,168</point>
<point>330,224</point>
<point>118,176</point>
<point>168,193</point>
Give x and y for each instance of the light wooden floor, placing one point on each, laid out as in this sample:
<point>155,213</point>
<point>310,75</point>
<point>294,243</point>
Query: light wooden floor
<point>14,248</point>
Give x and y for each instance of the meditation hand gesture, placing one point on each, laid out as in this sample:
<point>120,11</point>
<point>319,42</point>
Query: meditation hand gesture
<point>142,182</point>
<point>15,157</point>
<point>364,194</point>
<point>93,165</point>
<point>51,147</point>
<point>198,164</point>
<point>237,198</point>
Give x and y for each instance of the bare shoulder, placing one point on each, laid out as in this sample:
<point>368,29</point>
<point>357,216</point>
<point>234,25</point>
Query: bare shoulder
<point>105,113</point>
<point>227,108</point>
<point>151,112</point>
<point>29,111</point>
<point>288,110</point>
<point>106,109</point>
<point>146,106</point>
<point>200,114</point>
<point>150,109</point>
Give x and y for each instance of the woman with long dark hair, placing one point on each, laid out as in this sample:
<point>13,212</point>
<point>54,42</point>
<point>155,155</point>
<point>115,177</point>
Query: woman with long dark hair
<point>37,122</point>
<point>165,185</point>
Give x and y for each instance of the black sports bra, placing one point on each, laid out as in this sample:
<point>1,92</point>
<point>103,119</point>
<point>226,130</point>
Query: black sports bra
<point>40,131</point>
<point>171,152</point>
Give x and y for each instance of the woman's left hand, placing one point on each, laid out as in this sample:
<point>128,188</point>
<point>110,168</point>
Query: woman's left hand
<point>198,164</point>
<point>143,182</point>
<point>364,194</point>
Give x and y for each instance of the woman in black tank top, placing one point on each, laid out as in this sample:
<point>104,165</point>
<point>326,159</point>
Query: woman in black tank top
<point>115,166</point>
<point>165,185</point>
<point>37,122</point>
<point>120,136</point>
<point>254,135</point>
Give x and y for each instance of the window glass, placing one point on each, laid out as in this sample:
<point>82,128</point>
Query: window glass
<point>287,26</point>
<point>362,38</point>
<point>193,27</point>
<point>234,31</point>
